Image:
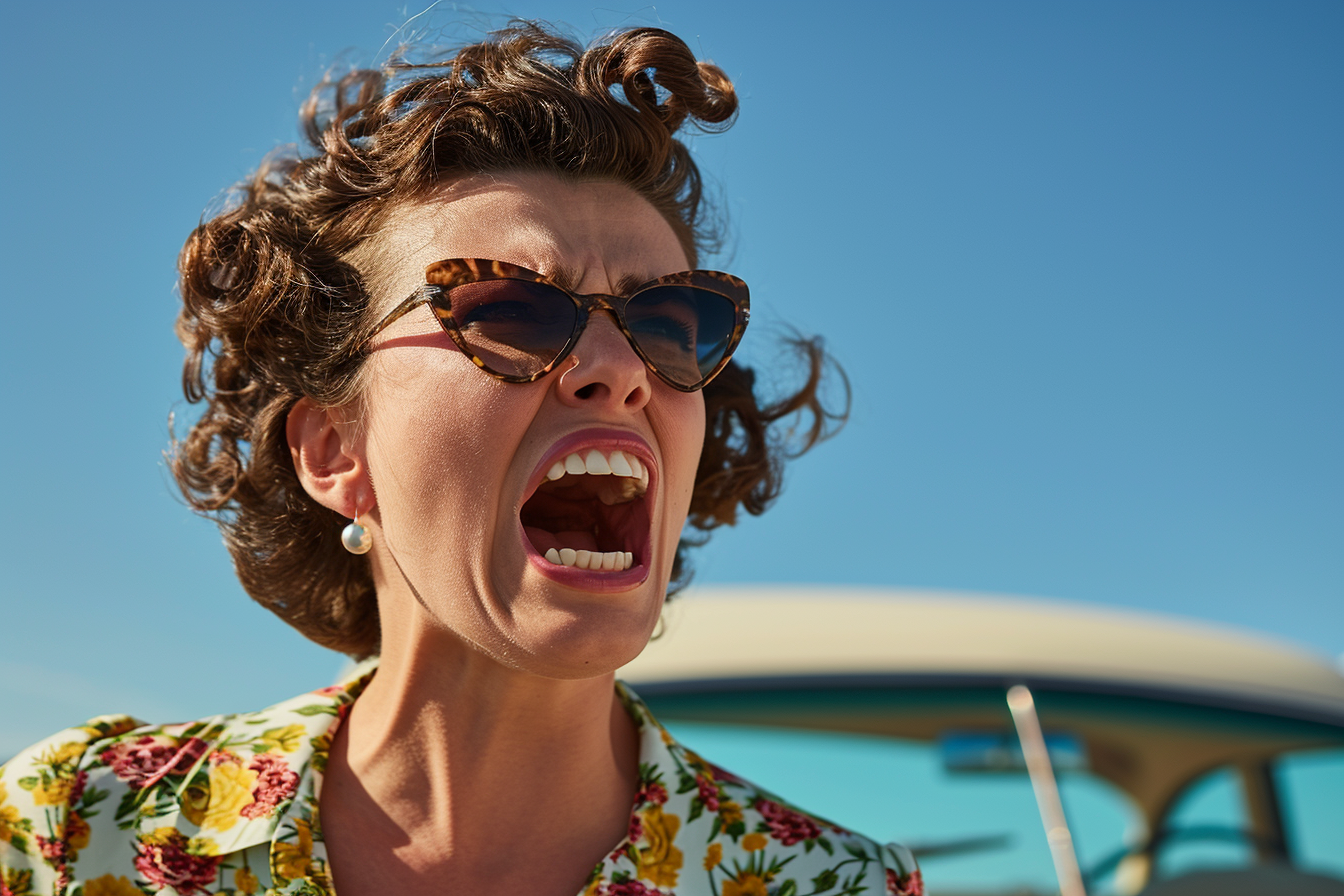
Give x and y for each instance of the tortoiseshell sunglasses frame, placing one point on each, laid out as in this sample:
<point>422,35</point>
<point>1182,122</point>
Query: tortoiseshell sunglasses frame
<point>443,276</point>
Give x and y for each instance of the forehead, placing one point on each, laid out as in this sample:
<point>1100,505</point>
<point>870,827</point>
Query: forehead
<point>590,235</point>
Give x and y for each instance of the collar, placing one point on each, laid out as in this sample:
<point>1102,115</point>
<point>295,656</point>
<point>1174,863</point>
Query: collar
<point>292,752</point>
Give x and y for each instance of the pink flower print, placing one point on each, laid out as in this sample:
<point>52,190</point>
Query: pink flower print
<point>147,760</point>
<point>53,848</point>
<point>276,782</point>
<point>709,792</point>
<point>786,825</point>
<point>624,851</point>
<point>223,755</point>
<point>163,860</point>
<point>629,888</point>
<point>910,885</point>
<point>77,789</point>
<point>652,792</point>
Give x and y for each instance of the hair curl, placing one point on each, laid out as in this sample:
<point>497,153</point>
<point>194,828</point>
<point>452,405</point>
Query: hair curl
<point>272,312</point>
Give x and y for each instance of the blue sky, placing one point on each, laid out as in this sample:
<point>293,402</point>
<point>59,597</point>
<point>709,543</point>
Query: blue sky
<point>1082,262</point>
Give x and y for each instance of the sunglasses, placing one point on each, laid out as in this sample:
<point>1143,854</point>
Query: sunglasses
<point>518,325</point>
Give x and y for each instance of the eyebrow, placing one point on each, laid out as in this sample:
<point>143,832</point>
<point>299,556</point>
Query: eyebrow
<point>569,278</point>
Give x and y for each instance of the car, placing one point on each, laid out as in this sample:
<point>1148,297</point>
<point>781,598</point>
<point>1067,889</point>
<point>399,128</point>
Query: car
<point>1189,758</point>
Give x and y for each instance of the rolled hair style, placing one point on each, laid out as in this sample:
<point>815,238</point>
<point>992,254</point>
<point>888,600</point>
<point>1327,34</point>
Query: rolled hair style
<point>273,312</point>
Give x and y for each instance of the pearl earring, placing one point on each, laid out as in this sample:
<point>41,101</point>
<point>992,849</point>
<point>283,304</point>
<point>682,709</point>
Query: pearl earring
<point>356,538</point>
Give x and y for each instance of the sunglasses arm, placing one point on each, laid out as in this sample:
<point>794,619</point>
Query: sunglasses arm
<point>420,297</point>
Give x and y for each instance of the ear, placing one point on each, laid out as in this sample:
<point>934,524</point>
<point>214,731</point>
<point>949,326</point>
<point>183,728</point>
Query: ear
<point>328,460</point>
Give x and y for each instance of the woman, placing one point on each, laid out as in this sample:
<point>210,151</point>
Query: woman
<point>470,331</point>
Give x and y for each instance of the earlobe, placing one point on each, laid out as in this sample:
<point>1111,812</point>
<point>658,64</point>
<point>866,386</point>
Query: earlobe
<point>330,468</point>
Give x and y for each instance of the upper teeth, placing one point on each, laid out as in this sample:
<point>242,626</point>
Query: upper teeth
<point>595,463</point>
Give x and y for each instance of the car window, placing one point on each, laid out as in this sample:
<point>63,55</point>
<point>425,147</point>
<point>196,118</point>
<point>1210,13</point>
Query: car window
<point>1311,788</point>
<point>980,831</point>
<point>1207,827</point>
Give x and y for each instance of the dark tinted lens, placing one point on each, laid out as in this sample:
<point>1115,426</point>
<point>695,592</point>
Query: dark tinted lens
<point>683,330</point>
<point>514,326</point>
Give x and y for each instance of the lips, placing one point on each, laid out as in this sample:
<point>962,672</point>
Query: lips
<point>589,512</point>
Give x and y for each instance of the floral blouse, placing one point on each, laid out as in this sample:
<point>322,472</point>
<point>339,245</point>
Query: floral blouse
<point>229,805</point>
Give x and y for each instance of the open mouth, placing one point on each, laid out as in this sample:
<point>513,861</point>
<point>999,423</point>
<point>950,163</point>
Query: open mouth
<point>590,512</point>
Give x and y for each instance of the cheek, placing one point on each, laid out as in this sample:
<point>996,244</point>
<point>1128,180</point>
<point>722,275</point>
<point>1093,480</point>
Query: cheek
<point>436,436</point>
<point>689,439</point>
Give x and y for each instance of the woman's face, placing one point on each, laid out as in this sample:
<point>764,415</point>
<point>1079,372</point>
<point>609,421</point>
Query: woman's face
<point>460,464</point>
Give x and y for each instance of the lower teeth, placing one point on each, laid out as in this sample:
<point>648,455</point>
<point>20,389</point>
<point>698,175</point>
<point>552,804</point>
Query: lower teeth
<point>613,561</point>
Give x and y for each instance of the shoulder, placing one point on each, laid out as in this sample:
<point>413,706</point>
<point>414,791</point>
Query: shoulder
<point>752,841</point>
<point>111,798</point>
<point>45,801</point>
<point>795,844</point>
<point>699,828</point>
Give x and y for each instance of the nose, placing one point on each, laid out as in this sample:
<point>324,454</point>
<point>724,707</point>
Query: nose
<point>608,374</point>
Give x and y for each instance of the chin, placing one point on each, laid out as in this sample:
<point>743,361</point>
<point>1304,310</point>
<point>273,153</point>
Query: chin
<point>588,635</point>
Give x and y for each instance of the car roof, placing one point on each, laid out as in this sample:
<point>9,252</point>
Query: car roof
<point>1157,701</point>
<point>802,632</point>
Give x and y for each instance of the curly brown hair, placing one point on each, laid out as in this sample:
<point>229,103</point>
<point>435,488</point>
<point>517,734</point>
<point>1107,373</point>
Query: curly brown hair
<point>273,311</point>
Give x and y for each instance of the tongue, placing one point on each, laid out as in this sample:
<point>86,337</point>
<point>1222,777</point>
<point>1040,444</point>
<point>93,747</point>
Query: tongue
<point>543,541</point>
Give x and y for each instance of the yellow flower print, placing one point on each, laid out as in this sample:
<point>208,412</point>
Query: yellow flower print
<point>202,846</point>
<point>321,749</point>
<point>282,740</point>
<point>730,812</point>
<point>195,799</point>
<point>695,761</point>
<point>660,861</point>
<point>65,754</point>
<point>745,885</point>
<point>9,816</point>
<point>160,836</point>
<point>244,881</point>
<point>54,793</point>
<point>713,856</point>
<point>76,833</point>
<point>20,882</point>
<point>753,842</point>
<point>109,885</point>
<point>218,805</point>
<point>293,860</point>
<point>110,727</point>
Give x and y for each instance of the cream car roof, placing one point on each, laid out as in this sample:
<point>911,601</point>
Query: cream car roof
<point>767,631</point>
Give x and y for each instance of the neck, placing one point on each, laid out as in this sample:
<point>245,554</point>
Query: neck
<point>462,714</point>
<point>459,763</point>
